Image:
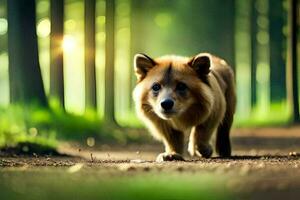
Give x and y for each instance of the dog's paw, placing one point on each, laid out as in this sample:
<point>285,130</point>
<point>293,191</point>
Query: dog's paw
<point>206,151</point>
<point>203,150</point>
<point>169,157</point>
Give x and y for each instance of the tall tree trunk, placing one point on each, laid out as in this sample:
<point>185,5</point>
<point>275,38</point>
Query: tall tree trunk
<point>56,51</point>
<point>109,110</point>
<point>90,68</point>
<point>136,42</point>
<point>253,52</point>
<point>3,37</point>
<point>277,63</point>
<point>229,31</point>
<point>292,70</point>
<point>26,84</point>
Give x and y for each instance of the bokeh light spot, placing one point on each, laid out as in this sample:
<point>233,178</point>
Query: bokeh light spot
<point>43,28</point>
<point>262,37</point>
<point>3,26</point>
<point>90,141</point>
<point>69,43</point>
<point>33,132</point>
<point>163,19</point>
<point>100,20</point>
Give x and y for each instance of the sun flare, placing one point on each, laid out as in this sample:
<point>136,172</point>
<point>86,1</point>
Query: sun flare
<point>69,43</point>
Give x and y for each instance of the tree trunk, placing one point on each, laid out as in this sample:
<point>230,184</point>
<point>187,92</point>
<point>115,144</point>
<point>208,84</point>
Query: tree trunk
<point>109,110</point>
<point>277,64</point>
<point>26,84</point>
<point>56,51</point>
<point>229,31</point>
<point>292,70</point>
<point>253,52</point>
<point>136,41</point>
<point>90,68</point>
<point>3,37</point>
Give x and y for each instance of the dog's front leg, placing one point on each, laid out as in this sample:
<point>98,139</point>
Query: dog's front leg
<point>173,141</point>
<point>199,142</point>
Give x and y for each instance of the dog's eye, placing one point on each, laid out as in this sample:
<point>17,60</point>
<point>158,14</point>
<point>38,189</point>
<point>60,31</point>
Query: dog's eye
<point>156,87</point>
<point>181,86</point>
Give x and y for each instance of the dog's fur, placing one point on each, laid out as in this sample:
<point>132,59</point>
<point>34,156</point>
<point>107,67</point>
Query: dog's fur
<point>203,92</point>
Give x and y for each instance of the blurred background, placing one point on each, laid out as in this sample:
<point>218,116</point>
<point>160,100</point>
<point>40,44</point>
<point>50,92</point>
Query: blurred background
<point>66,67</point>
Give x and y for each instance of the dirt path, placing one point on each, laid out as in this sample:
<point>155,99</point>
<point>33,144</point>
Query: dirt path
<point>272,174</point>
<point>262,167</point>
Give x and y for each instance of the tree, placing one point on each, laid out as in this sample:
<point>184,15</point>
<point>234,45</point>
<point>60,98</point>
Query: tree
<point>26,84</point>
<point>253,52</point>
<point>136,41</point>
<point>292,69</point>
<point>90,68</point>
<point>277,63</point>
<point>229,30</point>
<point>3,36</point>
<point>109,110</point>
<point>56,51</point>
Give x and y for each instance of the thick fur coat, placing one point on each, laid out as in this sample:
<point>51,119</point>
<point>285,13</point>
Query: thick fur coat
<point>177,96</point>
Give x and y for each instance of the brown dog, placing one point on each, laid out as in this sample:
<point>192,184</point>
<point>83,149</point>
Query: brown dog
<point>177,95</point>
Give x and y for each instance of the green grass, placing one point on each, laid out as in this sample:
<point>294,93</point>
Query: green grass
<point>93,183</point>
<point>38,125</point>
<point>15,128</point>
<point>278,114</point>
<point>130,120</point>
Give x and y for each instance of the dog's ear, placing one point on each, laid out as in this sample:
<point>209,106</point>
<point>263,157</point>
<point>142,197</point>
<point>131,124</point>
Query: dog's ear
<point>142,64</point>
<point>201,63</point>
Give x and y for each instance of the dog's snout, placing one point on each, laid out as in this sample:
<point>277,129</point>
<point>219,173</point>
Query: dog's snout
<point>167,104</point>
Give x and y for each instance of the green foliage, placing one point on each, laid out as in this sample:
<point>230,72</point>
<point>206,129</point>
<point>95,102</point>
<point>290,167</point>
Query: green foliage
<point>278,114</point>
<point>15,128</point>
<point>34,124</point>
<point>42,126</point>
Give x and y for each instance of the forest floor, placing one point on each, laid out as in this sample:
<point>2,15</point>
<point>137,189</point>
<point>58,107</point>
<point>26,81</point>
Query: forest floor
<point>265,165</point>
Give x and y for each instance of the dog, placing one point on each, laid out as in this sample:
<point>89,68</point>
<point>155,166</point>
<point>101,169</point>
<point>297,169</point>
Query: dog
<point>179,96</point>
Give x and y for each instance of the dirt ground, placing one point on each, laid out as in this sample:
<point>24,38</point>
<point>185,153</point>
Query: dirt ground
<point>265,164</point>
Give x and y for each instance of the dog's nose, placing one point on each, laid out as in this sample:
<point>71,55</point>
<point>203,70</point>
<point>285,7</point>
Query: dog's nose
<point>167,104</point>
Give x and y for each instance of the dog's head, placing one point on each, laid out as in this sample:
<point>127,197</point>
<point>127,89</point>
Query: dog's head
<point>172,86</point>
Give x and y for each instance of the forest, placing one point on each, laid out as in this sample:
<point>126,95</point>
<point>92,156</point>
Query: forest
<point>75,62</point>
<point>66,72</point>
